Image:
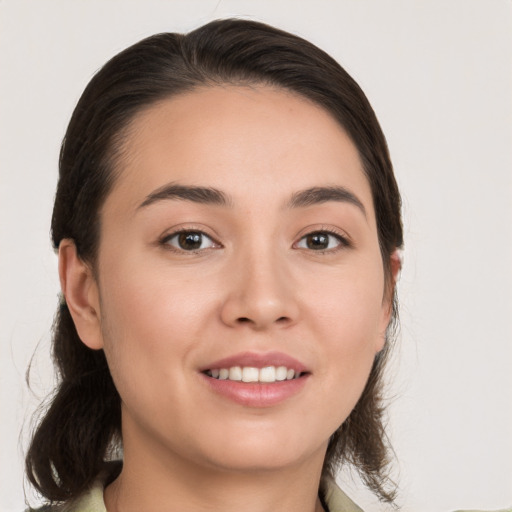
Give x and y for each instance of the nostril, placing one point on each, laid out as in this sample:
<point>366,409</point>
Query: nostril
<point>245,320</point>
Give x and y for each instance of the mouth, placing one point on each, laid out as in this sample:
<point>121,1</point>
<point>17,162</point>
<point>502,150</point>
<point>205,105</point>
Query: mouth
<point>255,379</point>
<point>252,374</point>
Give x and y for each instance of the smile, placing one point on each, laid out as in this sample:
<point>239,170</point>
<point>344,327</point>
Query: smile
<point>266,375</point>
<point>254,379</point>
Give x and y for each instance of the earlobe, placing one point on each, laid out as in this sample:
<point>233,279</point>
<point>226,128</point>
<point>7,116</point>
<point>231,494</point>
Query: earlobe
<point>395,266</point>
<point>80,290</point>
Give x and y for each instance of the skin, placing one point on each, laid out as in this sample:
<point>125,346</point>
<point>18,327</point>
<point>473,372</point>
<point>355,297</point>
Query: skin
<point>161,313</point>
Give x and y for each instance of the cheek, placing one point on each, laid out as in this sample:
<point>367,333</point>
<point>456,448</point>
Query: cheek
<point>348,315</point>
<point>150,322</point>
<point>349,305</point>
<point>149,301</point>
<point>150,335</point>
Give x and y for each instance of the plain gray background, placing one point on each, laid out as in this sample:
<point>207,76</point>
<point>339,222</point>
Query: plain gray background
<point>439,76</point>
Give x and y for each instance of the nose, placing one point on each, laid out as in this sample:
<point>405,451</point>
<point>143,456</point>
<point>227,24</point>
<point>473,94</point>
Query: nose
<point>260,294</point>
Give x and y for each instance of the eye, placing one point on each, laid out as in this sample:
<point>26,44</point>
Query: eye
<point>322,241</point>
<point>189,241</point>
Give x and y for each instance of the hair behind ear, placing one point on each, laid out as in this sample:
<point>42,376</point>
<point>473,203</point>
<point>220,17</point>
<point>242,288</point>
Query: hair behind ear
<point>82,420</point>
<point>361,440</point>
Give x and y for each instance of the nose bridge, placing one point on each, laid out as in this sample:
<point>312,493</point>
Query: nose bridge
<point>260,293</point>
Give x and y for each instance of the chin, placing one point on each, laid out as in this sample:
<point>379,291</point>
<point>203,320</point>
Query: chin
<point>261,451</point>
<point>257,461</point>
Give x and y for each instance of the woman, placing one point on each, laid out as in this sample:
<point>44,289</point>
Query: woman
<point>227,222</point>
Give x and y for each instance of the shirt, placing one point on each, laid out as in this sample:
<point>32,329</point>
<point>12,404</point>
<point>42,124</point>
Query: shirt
<point>92,501</point>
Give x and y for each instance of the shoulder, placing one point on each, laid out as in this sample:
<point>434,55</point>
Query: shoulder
<point>501,510</point>
<point>89,501</point>
<point>337,500</point>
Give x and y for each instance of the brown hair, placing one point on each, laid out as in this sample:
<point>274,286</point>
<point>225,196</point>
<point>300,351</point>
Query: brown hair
<point>83,421</point>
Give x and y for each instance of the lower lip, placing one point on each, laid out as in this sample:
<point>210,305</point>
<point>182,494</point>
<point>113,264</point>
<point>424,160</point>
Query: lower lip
<point>257,394</point>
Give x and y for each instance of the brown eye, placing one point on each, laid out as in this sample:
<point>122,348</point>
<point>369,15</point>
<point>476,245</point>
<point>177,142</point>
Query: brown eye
<point>317,241</point>
<point>321,241</point>
<point>190,241</point>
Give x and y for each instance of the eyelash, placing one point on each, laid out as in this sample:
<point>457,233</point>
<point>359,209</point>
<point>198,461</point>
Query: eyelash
<point>343,241</point>
<point>187,231</point>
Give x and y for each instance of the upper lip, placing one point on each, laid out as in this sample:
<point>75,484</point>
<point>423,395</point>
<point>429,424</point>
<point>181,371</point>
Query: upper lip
<point>257,360</point>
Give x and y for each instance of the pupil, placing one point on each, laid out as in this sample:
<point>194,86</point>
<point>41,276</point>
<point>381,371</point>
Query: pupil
<point>190,241</point>
<point>317,241</point>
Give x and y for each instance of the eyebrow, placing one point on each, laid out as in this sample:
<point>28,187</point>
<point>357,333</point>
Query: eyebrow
<point>213,196</point>
<point>202,195</point>
<point>318,195</point>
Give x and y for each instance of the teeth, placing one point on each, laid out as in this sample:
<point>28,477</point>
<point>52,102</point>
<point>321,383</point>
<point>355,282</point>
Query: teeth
<point>252,374</point>
<point>235,373</point>
<point>281,372</point>
<point>268,374</point>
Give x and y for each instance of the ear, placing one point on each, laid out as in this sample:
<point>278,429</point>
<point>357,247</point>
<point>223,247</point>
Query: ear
<point>80,290</point>
<point>395,265</point>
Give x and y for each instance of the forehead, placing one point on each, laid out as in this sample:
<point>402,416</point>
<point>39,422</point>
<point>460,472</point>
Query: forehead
<point>259,139</point>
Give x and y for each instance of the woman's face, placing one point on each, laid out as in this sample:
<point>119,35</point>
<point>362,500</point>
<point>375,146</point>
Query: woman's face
<point>239,238</point>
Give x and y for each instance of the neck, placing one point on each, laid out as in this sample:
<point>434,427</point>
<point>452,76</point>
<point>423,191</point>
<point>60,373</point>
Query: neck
<point>153,482</point>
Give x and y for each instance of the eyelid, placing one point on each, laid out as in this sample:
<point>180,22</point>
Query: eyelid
<point>173,232</point>
<point>344,239</point>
